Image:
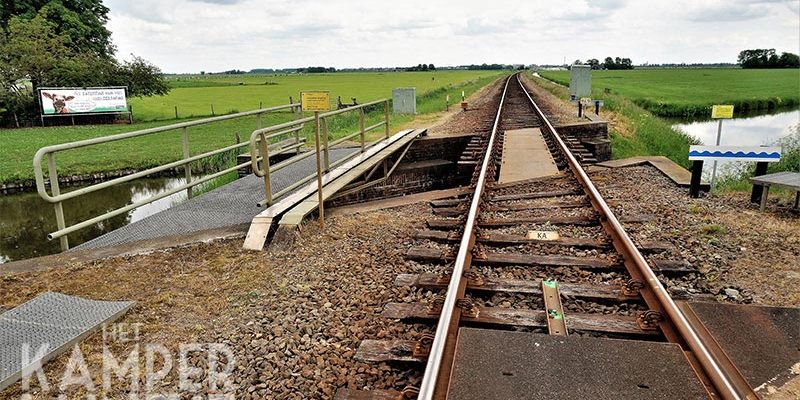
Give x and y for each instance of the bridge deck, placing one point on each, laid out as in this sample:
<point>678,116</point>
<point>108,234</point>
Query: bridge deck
<point>525,156</point>
<point>228,206</point>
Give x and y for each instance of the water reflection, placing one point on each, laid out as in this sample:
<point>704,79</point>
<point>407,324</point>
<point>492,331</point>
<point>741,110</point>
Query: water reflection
<point>26,219</point>
<point>761,130</point>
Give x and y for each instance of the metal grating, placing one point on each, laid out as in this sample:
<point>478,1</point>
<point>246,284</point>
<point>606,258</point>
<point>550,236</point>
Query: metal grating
<point>54,319</point>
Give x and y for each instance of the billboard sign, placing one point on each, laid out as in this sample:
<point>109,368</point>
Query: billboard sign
<point>61,101</point>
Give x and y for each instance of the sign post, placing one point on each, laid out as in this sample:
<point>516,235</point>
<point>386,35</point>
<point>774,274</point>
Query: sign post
<point>315,102</point>
<point>719,112</point>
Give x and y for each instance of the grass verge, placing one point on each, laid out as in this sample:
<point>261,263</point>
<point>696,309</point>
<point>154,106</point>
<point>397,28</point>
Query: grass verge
<point>634,131</point>
<point>691,92</point>
<point>19,145</point>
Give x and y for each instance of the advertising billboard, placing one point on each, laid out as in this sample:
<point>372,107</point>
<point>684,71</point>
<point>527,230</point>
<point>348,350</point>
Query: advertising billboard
<point>61,101</point>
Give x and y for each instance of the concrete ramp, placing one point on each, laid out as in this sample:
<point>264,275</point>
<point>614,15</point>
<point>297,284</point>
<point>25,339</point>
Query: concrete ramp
<point>525,156</point>
<point>291,210</point>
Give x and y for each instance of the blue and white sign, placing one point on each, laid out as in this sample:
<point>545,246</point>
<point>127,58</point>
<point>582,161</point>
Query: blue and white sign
<point>735,153</point>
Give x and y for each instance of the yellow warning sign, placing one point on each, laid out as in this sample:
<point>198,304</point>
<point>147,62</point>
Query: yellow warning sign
<point>722,111</point>
<point>543,235</point>
<point>315,101</point>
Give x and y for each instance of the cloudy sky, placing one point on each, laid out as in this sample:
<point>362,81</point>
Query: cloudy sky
<point>214,35</point>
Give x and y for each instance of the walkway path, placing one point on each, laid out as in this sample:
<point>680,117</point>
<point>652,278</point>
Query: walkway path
<point>230,205</point>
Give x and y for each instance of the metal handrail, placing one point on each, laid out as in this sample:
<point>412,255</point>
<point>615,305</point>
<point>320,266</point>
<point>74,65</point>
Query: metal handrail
<point>57,198</point>
<point>259,152</point>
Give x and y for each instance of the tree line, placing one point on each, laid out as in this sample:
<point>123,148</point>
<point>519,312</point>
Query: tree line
<point>767,58</point>
<point>608,63</point>
<point>422,67</point>
<point>63,44</point>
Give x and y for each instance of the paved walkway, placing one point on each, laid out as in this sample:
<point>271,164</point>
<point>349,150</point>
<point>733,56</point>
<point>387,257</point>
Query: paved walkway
<point>230,205</point>
<point>525,156</point>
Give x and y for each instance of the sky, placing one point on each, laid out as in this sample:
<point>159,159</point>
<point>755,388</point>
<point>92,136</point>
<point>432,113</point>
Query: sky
<point>185,36</point>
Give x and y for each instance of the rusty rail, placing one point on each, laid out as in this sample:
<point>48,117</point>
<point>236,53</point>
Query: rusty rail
<point>445,328</point>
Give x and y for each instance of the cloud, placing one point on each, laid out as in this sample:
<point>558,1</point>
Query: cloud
<point>738,10</point>
<point>591,10</point>
<point>216,35</point>
<point>223,2</point>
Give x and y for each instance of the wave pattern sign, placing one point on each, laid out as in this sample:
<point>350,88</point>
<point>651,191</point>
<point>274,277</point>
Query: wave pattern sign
<point>59,101</point>
<point>735,153</point>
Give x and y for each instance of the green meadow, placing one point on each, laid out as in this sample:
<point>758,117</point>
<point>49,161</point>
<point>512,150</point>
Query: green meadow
<point>194,94</point>
<point>692,92</point>
<point>638,131</point>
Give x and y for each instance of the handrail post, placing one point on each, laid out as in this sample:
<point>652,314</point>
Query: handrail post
<point>326,152</point>
<point>361,126</point>
<point>53,173</point>
<point>264,147</point>
<point>319,173</point>
<point>386,116</point>
<point>187,169</point>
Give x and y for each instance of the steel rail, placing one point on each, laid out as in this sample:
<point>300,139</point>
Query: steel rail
<point>725,385</point>
<point>429,381</point>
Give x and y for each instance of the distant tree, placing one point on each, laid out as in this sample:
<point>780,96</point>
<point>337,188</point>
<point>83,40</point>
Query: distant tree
<point>318,70</point>
<point>32,50</point>
<point>80,23</point>
<point>141,77</point>
<point>789,60</point>
<point>594,63</point>
<point>577,62</point>
<point>617,63</point>
<point>767,58</point>
<point>431,67</point>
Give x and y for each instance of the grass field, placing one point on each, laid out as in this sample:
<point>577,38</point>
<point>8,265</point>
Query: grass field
<point>194,95</point>
<point>17,146</point>
<point>691,92</point>
<point>636,131</point>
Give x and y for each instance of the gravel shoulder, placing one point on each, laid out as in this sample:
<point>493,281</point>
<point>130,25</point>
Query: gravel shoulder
<point>743,255</point>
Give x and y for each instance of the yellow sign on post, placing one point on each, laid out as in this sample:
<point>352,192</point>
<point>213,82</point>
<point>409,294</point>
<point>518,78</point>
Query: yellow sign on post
<point>722,111</point>
<point>315,101</point>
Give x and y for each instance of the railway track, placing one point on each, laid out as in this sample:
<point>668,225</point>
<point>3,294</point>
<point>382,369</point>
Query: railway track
<point>543,255</point>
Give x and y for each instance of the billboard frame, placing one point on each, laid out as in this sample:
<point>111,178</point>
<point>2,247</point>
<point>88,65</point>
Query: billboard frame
<point>43,115</point>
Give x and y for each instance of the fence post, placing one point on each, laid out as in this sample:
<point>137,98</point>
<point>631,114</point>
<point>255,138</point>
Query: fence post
<point>187,169</point>
<point>212,110</point>
<point>386,115</point>
<point>264,148</point>
<point>176,112</point>
<point>326,153</point>
<point>51,169</point>
<point>361,126</point>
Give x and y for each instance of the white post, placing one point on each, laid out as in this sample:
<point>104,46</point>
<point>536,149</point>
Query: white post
<point>714,168</point>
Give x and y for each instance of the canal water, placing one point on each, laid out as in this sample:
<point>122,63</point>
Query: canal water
<point>26,219</point>
<point>756,130</point>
